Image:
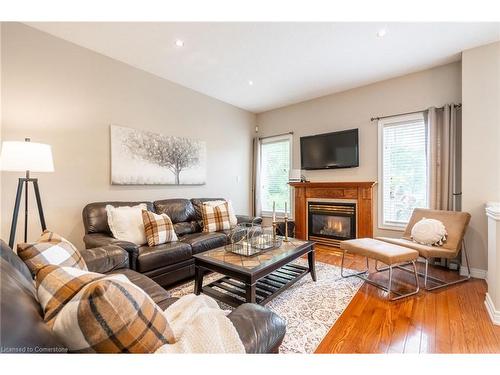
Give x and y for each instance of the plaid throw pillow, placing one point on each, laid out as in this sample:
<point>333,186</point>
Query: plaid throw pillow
<point>215,218</point>
<point>56,286</point>
<point>50,248</point>
<point>159,228</point>
<point>112,315</point>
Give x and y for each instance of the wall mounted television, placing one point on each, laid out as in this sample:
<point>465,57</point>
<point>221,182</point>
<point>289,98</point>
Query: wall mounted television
<point>330,150</point>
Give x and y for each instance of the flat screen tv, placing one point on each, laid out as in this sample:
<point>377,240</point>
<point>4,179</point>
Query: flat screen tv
<point>330,150</point>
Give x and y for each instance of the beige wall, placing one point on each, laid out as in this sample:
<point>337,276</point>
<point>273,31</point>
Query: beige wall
<point>354,108</point>
<point>58,93</point>
<point>481,142</point>
<point>0,115</point>
<point>67,96</point>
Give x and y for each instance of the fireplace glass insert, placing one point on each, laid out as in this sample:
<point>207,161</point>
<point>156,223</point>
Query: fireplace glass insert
<point>331,222</point>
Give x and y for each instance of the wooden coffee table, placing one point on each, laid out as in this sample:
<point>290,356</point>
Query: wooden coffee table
<point>255,279</point>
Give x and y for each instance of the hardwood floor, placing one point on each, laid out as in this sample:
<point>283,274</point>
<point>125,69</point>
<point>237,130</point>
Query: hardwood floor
<point>450,320</point>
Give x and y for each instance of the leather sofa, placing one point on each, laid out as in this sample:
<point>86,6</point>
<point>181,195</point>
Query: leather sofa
<point>22,329</point>
<point>169,263</point>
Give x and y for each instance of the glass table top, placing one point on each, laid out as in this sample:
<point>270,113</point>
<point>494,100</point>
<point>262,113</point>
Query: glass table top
<point>222,256</point>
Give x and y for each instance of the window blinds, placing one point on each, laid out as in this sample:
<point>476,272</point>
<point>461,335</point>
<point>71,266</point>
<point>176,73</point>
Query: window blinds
<point>275,170</point>
<point>404,170</point>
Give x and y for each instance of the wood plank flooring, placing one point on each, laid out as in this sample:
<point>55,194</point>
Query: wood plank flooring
<point>450,320</point>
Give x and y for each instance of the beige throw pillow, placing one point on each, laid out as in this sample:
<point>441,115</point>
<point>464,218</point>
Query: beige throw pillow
<point>429,232</point>
<point>126,223</point>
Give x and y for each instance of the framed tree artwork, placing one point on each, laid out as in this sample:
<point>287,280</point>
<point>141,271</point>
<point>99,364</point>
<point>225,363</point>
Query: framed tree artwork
<point>141,157</point>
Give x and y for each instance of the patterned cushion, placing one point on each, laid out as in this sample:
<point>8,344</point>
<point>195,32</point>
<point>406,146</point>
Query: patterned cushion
<point>232,216</point>
<point>215,218</point>
<point>159,228</point>
<point>112,315</point>
<point>56,286</point>
<point>50,248</point>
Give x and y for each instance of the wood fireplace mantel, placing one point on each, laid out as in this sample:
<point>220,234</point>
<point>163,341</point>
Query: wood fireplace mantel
<point>361,192</point>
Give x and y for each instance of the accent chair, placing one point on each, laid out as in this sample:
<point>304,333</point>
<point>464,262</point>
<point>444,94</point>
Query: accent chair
<point>456,225</point>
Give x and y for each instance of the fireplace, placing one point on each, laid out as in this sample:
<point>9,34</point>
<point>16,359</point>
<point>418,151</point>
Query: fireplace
<point>331,222</point>
<point>358,193</point>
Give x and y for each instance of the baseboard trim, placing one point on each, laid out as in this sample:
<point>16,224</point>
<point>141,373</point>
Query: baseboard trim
<point>494,314</point>
<point>474,272</point>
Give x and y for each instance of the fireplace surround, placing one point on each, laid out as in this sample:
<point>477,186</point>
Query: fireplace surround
<point>359,194</point>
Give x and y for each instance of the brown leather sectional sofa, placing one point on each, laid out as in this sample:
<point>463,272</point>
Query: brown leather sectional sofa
<point>23,330</point>
<point>168,263</point>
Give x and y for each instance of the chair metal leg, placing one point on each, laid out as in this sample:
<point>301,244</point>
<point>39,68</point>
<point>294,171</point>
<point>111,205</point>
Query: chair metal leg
<point>428,278</point>
<point>426,272</point>
<point>466,255</point>
<point>443,283</point>
<point>390,279</point>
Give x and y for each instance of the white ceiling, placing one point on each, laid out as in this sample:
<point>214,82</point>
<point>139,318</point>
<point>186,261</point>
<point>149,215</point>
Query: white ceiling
<point>288,62</point>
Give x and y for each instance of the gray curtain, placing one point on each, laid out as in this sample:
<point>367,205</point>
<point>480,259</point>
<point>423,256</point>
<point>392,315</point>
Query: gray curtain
<point>445,152</point>
<point>256,177</point>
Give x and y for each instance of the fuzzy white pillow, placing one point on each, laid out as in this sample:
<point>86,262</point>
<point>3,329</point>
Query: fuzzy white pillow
<point>233,220</point>
<point>126,223</point>
<point>429,232</point>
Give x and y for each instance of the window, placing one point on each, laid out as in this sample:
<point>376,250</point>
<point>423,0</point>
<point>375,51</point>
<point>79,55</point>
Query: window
<point>403,169</point>
<point>274,174</point>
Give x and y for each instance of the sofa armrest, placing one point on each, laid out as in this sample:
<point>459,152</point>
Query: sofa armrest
<point>105,259</point>
<point>249,219</point>
<point>93,240</point>
<point>260,329</point>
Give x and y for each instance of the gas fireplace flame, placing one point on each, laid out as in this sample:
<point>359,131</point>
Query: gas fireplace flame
<point>334,225</point>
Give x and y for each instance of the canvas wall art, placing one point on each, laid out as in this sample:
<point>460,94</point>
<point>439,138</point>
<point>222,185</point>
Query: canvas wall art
<point>140,157</point>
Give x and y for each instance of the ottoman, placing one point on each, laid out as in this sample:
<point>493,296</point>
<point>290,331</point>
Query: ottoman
<point>390,254</point>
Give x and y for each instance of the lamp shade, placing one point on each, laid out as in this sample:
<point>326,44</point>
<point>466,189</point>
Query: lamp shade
<point>26,156</point>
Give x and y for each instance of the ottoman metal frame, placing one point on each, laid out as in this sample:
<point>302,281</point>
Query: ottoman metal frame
<point>364,275</point>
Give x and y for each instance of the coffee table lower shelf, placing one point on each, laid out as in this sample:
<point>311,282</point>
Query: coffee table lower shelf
<point>234,292</point>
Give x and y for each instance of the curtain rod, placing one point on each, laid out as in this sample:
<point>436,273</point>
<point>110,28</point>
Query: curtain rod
<point>409,113</point>
<point>276,135</point>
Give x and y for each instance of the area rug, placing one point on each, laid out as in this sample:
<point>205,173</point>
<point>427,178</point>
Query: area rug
<point>309,308</point>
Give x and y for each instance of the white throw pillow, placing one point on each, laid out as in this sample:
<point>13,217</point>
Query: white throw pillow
<point>126,223</point>
<point>429,232</point>
<point>233,220</point>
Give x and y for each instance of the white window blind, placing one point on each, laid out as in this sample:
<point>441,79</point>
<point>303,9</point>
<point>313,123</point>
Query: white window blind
<point>403,169</point>
<point>274,173</point>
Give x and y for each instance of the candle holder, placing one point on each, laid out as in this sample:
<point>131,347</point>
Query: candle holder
<point>250,240</point>
<point>275,228</point>
<point>286,230</point>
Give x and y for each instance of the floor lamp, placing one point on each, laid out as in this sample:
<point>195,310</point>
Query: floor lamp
<point>26,157</point>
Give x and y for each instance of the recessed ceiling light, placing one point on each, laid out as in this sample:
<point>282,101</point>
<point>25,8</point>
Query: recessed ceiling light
<point>250,83</point>
<point>179,43</point>
<point>381,33</point>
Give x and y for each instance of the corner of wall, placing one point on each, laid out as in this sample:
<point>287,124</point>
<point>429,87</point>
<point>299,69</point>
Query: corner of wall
<point>480,141</point>
<point>1,101</point>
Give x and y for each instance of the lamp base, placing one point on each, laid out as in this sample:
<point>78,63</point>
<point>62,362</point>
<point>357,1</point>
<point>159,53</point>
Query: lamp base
<point>24,182</point>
